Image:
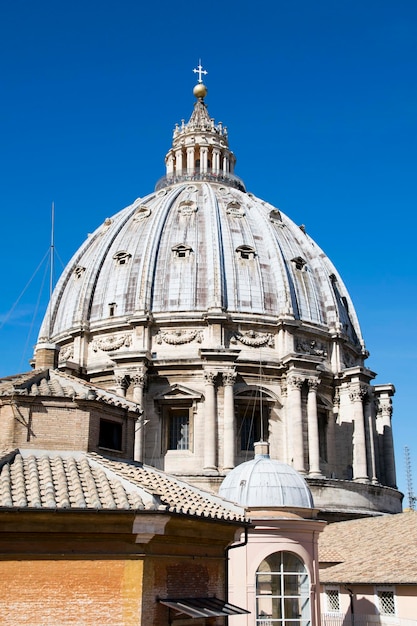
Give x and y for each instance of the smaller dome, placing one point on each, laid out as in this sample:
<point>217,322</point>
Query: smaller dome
<point>264,482</point>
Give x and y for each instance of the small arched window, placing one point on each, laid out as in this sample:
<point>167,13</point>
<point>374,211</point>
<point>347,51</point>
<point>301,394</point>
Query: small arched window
<point>299,262</point>
<point>282,591</point>
<point>122,257</point>
<point>181,251</point>
<point>246,252</point>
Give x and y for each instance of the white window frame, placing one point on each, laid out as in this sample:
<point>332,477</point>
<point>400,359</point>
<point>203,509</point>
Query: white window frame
<point>378,589</point>
<point>328,607</point>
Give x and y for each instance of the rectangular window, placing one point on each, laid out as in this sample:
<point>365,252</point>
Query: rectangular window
<point>110,435</point>
<point>179,429</point>
<point>385,600</point>
<point>332,599</point>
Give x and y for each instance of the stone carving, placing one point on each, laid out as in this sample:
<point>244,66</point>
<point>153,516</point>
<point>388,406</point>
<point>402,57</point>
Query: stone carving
<point>295,382</point>
<point>138,379</point>
<point>210,377</point>
<point>121,381</point>
<point>311,347</point>
<point>235,209</point>
<point>113,342</point>
<point>284,388</point>
<point>385,409</point>
<point>313,383</point>
<point>66,353</point>
<point>142,213</point>
<point>253,339</point>
<point>229,378</point>
<point>187,207</point>
<point>179,337</point>
<point>358,393</point>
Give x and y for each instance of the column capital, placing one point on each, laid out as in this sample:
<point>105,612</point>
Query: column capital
<point>229,378</point>
<point>138,378</point>
<point>295,381</point>
<point>313,383</point>
<point>121,380</point>
<point>210,377</point>
<point>385,409</point>
<point>358,392</point>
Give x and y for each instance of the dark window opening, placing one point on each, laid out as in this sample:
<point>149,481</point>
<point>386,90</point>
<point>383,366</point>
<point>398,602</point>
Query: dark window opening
<point>112,309</point>
<point>110,435</point>
<point>252,421</point>
<point>322,421</point>
<point>179,429</point>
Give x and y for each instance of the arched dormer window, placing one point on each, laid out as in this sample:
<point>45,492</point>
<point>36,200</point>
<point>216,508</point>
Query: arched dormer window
<point>283,591</point>
<point>79,271</point>
<point>245,252</point>
<point>122,257</point>
<point>299,262</point>
<point>181,251</point>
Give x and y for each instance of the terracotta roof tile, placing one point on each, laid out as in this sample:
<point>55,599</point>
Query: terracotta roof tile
<point>41,479</point>
<point>371,550</point>
<point>53,383</point>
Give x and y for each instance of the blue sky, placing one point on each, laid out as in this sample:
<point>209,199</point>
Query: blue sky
<point>320,100</point>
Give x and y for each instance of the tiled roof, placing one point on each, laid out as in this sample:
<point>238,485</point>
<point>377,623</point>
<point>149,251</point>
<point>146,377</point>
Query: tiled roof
<point>50,382</point>
<point>40,479</point>
<point>370,550</point>
<point>175,494</point>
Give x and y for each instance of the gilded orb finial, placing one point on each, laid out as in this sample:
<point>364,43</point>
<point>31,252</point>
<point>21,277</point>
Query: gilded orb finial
<point>200,90</point>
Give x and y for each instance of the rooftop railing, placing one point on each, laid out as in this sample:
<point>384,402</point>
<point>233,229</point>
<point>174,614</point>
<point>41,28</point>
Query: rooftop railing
<point>195,174</point>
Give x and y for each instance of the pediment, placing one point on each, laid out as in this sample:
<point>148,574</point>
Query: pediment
<point>178,392</point>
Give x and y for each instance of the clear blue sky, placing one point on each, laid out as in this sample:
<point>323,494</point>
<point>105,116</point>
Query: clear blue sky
<point>320,99</point>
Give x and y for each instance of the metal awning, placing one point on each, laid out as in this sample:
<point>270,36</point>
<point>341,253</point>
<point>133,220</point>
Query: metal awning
<point>203,607</point>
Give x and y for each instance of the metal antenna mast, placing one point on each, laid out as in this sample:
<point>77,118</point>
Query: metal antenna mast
<point>51,266</point>
<point>412,499</point>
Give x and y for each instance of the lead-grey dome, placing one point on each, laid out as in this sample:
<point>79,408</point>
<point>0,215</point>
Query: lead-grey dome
<point>265,483</point>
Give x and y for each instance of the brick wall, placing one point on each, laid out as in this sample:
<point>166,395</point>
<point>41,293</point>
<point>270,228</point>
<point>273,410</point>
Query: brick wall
<point>73,593</point>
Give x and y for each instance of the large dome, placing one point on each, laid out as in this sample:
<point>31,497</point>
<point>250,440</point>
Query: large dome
<point>223,319</point>
<point>196,247</point>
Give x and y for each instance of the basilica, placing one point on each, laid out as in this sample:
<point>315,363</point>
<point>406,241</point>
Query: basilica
<point>199,408</point>
<point>226,323</point>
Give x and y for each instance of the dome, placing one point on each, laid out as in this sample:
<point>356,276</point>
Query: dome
<point>266,483</point>
<point>200,243</point>
<point>226,322</point>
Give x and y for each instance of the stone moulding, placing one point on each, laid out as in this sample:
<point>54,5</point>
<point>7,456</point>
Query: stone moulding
<point>179,337</point>
<point>254,339</point>
<point>112,342</point>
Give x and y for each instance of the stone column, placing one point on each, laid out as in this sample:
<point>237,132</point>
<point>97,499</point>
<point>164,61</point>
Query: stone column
<point>229,428</point>
<point>295,415</point>
<point>190,160</point>
<point>178,162</point>
<point>216,161</point>
<point>357,394</point>
<point>313,428</point>
<point>385,411</point>
<point>210,424</point>
<point>371,435</point>
<point>139,381</point>
<point>203,159</point>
